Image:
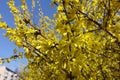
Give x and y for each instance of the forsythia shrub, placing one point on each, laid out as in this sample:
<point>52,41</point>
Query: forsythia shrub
<point>82,42</point>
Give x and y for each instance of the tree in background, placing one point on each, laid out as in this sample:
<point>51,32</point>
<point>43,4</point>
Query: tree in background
<point>82,42</point>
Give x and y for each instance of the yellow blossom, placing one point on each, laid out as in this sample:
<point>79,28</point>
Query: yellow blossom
<point>3,25</point>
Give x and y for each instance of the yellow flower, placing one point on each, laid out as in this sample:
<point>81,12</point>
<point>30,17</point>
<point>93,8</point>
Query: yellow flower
<point>33,3</point>
<point>24,7</point>
<point>3,25</point>
<point>57,0</point>
<point>14,9</point>
<point>60,7</point>
<point>76,0</point>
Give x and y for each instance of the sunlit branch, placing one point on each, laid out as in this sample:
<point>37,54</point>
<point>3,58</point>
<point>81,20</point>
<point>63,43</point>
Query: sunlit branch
<point>65,11</point>
<point>38,53</point>
<point>99,25</point>
<point>27,21</point>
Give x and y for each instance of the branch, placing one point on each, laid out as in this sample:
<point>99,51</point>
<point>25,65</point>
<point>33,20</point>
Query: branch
<point>68,74</point>
<point>99,25</point>
<point>28,22</point>
<point>55,3</point>
<point>93,30</point>
<point>38,51</point>
<point>14,56</point>
<point>102,72</point>
<point>82,73</point>
<point>66,13</point>
<point>8,59</point>
<point>89,18</point>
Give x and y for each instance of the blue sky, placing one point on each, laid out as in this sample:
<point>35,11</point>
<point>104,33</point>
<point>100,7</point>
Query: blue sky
<point>6,47</point>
